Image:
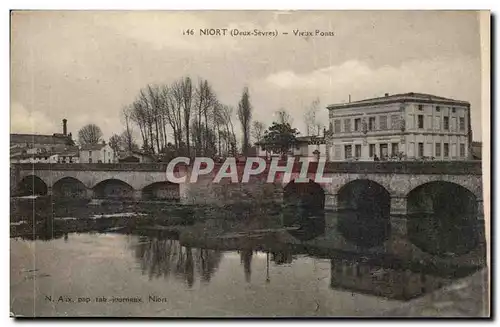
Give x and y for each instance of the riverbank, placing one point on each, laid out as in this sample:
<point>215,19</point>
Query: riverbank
<point>48,216</point>
<point>466,297</point>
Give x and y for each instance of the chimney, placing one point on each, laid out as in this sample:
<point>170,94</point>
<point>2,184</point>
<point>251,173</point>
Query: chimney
<point>349,98</point>
<point>387,94</point>
<point>65,128</point>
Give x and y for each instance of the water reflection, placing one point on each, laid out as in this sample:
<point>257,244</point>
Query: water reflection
<point>167,257</point>
<point>364,276</point>
<point>363,228</point>
<point>309,221</point>
<point>246,260</point>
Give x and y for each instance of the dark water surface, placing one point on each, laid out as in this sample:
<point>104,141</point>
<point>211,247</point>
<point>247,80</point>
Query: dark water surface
<point>148,276</point>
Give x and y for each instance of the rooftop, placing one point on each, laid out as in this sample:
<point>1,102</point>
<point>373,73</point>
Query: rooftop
<point>401,97</point>
<point>98,146</point>
<point>40,139</point>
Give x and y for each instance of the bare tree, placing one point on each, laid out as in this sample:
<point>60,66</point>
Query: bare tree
<point>310,117</point>
<point>245,116</point>
<point>128,141</point>
<point>230,136</point>
<point>187,98</point>
<point>205,102</point>
<point>283,117</point>
<point>258,129</point>
<point>115,142</point>
<point>89,134</point>
<point>127,136</point>
<point>174,114</point>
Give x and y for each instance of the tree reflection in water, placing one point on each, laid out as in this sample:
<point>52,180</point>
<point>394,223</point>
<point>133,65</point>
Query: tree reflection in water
<point>167,258</point>
<point>246,260</point>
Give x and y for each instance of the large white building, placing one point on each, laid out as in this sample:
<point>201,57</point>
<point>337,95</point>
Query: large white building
<point>97,153</point>
<point>405,126</point>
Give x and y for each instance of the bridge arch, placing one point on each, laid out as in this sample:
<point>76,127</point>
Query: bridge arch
<point>442,218</point>
<point>69,187</point>
<point>113,188</point>
<point>309,195</point>
<point>364,212</point>
<point>471,183</point>
<point>32,185</point>
<point>163,190</point>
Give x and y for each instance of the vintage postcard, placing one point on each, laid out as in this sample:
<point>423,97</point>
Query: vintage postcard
<point>249,163</point>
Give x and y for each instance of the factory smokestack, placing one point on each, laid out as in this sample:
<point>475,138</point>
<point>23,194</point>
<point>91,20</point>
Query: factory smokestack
<point>65,128</point>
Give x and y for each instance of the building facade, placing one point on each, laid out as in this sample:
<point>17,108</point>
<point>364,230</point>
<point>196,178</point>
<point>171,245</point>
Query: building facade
<point>97,153</point>
<point>311,147</point>
<point>34,148</point>
<point>410,126</point>
<point>134,157</point>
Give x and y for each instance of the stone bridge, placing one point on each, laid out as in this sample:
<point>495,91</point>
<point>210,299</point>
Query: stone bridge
<point>385,193</point>
<point>396,180</point>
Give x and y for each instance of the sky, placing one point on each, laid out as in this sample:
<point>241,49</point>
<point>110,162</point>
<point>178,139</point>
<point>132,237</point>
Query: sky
<point>86,66</point>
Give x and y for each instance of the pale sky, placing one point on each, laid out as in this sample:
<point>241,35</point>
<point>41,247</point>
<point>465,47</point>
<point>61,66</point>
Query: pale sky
<point>85,66</point>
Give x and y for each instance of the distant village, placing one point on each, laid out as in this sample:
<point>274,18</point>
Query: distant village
<point>61,148</point>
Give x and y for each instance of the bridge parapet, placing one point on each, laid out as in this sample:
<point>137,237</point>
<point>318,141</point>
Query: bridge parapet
<point>360,167</point>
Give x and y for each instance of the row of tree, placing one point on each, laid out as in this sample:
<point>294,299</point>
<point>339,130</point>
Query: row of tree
<point>182,117</point>
<point>186,118</point>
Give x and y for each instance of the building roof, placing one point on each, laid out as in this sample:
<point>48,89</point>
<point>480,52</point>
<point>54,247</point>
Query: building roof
<point>402,97</point>
<point>126,154</point>
<point>40,139</point>
<point>97,146</point>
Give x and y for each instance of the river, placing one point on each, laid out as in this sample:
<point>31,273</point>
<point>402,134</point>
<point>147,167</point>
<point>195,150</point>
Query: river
<point>134,274</point>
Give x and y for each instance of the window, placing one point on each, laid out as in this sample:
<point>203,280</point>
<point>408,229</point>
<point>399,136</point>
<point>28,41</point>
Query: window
<point>420,121</point>
<point>453,110</point>
<point>438,109</point>
<point>371,123</point>
<point>383,122</point>
<point>428,149</point>
<point>420,149</point>
<point>411,149</point>
<point>331,127</point>
<point>384,149</point>
<point>395,122</point>
<point>90,160</point>
<point>348,151</point>
<point>372,150</point>
<point>420,107</point>
<point>462,150</point>
<point>462,123</point>
<point>357,150</point>
<point>437,123</point>
<point>446,150</point>
<point>446,123</point>
<point>438,149</point>
<point>337,126</point>
<point>395,149</point>
<point>337,152</point>
<point>357,124</point>
<point>347,125</point>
